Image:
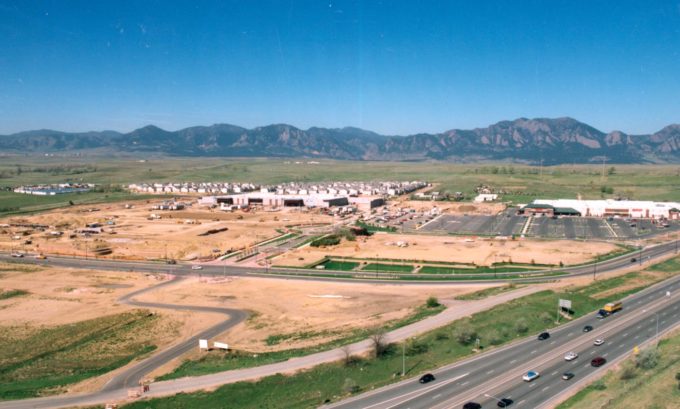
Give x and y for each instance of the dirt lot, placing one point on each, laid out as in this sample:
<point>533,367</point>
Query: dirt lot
<point>452,249</point>
<point>130,234</point>
<point>322,311</point>
<point>450,207</point>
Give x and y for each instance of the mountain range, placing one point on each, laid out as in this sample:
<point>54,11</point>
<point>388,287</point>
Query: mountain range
<point>546,140</point>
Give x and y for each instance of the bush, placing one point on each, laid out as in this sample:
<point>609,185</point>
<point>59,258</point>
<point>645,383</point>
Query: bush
<point>648,358</point>
<point>331,240</point>
<point>441,336</point>
<point>465,334</point>
<point>495,337</point>
<point>599,385</point>
<point>416,347</point>
<point>546,317</point>
<point>350,386</point>
<point>627,373</point>
<point>432,302</point>
<point>521,326</point>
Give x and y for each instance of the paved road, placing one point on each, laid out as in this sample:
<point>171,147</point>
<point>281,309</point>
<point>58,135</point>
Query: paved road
<point>498,373</point>
<point>131,376</point>
<point>645,256</point>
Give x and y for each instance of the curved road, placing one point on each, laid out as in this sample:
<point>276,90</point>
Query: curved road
<point>131,376</point>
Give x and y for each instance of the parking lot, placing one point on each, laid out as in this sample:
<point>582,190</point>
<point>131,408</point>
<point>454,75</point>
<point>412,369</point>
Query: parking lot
<point>508,224</point>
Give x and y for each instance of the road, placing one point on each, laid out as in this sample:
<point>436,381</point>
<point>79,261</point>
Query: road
<point>621,262</point>
<point>131,376</point>
<point>499,373</point>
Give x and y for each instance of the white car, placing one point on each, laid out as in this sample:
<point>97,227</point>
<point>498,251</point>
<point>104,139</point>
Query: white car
<point>530,376</point>
<point>18,255</point>
<point>197,267</point>
<point>570,356</point>
<point>598,342</point>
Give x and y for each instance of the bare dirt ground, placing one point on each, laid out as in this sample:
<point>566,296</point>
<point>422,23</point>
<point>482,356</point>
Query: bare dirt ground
<point>131,235</point>
<point>449,207</point>
<point>452,249</point>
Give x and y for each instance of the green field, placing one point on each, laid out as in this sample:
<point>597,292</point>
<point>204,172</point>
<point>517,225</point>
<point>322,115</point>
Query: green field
<point>387,268</point>
<point>340,265</point>
<point>36,362</point>
<point>16,203</point>
<point>497,326</point>
<point>523,183</point>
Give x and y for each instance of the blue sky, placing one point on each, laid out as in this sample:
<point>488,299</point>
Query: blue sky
<point>389,66</point>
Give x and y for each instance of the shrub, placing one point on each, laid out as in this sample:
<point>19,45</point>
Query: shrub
<point>495,337</point>
<point>416,347</point>
<point>331,240</point>
<point>521,326</point>
<point>627,373</point>
<point>648,358</point>
<point>432,302</point>
<point>465,334</point>
<point>350,386</point>
<point>546,317</point>
<point>441,336</point>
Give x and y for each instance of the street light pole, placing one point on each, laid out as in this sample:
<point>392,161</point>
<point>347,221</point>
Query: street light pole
<point>492,397</point>
<point>403,359</point>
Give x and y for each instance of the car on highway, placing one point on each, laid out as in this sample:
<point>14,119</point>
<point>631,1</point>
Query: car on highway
<point>598,342</point>
<point>543,336</point>
<point>18,255</point>
<point>505,402</point>
<point>472,405</point>
<point>570,356</point>
<point>567,375</point>
<point>587,328</point>
<point>602,314</point>
<point>633,260</point>
<point>598,361</point>
<point>197,267</point>
<point>530,376</point>
<point>40,257</point>
<point>428,377</point>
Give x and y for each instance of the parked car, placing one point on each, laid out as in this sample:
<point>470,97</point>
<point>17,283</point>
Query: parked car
<point>530,376</point>
<point>428,377</point>
<point>543,336</point>
<point>505,402</point>
<point>598,361</point>
<point>598,342</point>
<point>472,405</point>
<point>567,375</point>
<point>570,356</point>
<point>587,328</point>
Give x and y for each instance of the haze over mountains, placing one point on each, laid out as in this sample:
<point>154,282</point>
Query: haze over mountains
<point>553,141</point>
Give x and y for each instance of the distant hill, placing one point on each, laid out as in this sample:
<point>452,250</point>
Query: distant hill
<point>552,141</point>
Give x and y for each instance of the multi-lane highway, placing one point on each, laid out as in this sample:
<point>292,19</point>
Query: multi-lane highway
<point>498,374</point>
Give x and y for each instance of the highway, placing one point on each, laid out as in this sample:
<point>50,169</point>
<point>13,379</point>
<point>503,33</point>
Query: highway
<point>498,373</point>
<point>613,264</point>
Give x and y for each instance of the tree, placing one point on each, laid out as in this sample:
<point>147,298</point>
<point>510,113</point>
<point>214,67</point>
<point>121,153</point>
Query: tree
<point>611,171</point>
<point>347,355</point>
<point>379,343</point>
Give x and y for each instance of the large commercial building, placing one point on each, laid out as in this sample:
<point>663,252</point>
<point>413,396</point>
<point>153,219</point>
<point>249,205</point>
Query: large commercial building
<point>276,200</point>
<point>605,208</point>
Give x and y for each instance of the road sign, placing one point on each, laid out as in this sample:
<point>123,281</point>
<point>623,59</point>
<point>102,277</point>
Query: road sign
<point>565,304</point>
<point>203,344</point>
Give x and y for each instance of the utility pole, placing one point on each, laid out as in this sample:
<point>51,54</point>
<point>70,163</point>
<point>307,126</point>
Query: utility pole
<point>657,330</point>
<point>403,359</point>
<point>597,259</point>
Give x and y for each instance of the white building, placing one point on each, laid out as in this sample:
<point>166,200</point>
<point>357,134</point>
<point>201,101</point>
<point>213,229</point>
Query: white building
<point>620,208</point>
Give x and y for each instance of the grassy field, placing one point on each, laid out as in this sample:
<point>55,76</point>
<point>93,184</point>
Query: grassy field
<point>35,362</point>
<point>487,292</point>
<point>522,183</point>
<point>392,268</point>
<point>497,326</point>
<point>632,387</point>
<point>16,203</point>
<point>340,265</point>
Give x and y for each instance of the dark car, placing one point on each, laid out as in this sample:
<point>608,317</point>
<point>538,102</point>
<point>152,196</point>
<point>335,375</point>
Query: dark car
<point>587,328</point>
<point>428,377</point>
<point>602,314</point>
<point>505,402</point>
<point>543,336</point>
<point>472,405</point>
<point>567,375</point>
<point>598,361</point>
<point>633,260</point>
